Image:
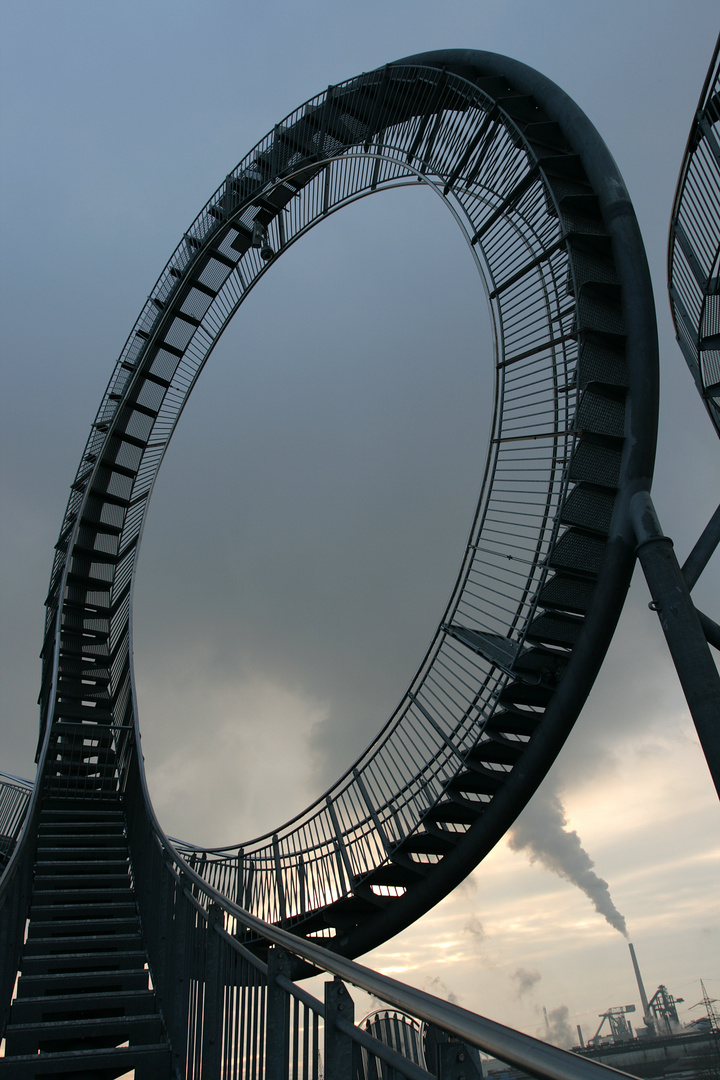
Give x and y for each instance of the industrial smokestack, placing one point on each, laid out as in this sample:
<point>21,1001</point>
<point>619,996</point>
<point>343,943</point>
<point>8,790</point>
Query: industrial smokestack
<point>647,1015</point>
<point>580,1037</point>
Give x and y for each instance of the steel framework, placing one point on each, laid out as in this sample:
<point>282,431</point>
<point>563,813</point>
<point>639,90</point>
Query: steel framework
<point>547,217</point>
<point>694,249</point>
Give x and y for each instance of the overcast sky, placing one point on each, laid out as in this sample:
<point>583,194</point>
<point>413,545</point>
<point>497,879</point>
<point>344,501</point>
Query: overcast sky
<point>309,518</point>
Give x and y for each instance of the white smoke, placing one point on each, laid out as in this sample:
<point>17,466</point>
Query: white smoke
<point>543,834</point>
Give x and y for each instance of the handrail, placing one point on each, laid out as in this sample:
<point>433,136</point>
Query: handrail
<point>538,1058</point>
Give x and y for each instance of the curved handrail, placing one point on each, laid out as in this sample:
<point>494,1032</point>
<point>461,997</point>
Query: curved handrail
<point>694,246</point>
<point>15,795</point>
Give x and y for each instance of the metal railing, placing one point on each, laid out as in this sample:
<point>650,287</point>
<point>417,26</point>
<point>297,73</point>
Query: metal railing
<point>234,1011</point>
<point>694,246</point>
<point>15,796</point>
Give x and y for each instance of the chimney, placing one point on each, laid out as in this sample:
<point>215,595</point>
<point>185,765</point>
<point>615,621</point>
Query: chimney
<point>647,1015</point>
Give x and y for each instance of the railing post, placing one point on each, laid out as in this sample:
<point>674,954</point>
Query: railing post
<point>176,981</point>
<point>449,1058</point>
<point>277,1029</point>
<point>339,1048</point>
<point>213,999</point>
<point>455,1063</point>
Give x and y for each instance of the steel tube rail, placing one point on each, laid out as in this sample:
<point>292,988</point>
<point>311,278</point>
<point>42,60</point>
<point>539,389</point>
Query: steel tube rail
<point>711,629</point>
<point>523,1051</point>
<point>703,551</point>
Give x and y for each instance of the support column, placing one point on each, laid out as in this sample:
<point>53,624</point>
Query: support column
<point>213,999</point>
<point>339,1048</point>
<point>277,1030</point>
<point>682,628</point>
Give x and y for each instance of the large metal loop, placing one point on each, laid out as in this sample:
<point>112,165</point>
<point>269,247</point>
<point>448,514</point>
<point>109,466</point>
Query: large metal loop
<point>550,552</point>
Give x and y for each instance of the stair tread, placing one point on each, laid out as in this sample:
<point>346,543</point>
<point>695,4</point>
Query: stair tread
<point>57,980</point>
<point>90,1000</point>
<point>62,1060</point>
<point>95,1025</point>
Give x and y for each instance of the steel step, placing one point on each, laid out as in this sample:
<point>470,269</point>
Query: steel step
<point>58,944</point>
<point>82,835</point>
<point>56,914</point>
<point>80,927</point>
<point>83,961</point>
<point>98,1032</point>
<point>60,851</point>
<point>430,843</point>
<point>153,1060</point>
<point>55,984</point>
<point>453,814</point>
<point>27,1010</point>
<point>108,892</point>
<point>82,883</point>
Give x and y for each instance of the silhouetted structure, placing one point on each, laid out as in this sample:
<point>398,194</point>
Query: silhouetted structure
<point>141,953</point>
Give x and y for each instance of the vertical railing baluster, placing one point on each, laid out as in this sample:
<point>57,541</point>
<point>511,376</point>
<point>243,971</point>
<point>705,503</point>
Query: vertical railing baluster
<point>279,880</point>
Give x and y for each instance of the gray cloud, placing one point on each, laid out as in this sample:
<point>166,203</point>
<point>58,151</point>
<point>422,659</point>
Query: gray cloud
<point>525,980</point>
<point>542,834</point>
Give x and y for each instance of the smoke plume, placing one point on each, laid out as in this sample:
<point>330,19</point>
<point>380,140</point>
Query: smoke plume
<point>541,832</point>
<point>475,929</point>
<point>559,1031</point>
<point>441,989</point>
<point>524,981</point>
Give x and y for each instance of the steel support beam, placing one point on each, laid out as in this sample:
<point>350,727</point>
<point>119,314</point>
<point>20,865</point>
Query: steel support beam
<point>682,627</point>
<point>701,554</point>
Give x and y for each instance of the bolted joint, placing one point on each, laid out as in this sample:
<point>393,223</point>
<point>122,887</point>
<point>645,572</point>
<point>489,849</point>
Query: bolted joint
<point>339,1047</point>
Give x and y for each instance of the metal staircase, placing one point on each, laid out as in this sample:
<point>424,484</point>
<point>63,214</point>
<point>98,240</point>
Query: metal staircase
<point>84,1003</point>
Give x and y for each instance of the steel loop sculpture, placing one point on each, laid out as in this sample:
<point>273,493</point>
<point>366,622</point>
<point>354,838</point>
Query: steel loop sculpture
<point>543,576</point>
<point>546,215</point>
<point>545,570</point>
